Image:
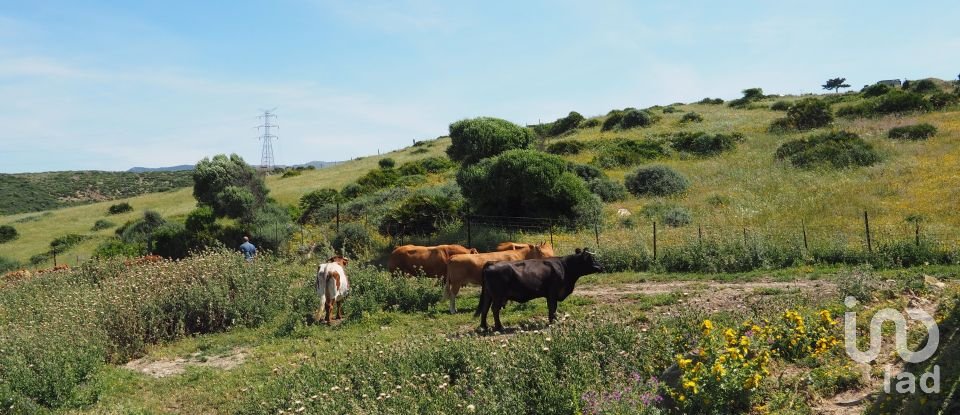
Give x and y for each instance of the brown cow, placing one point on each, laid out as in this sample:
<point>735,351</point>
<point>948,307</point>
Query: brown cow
<point>510,246</point>
<point>467,269</point>
<point>431,260</point>
<point>18,275</point>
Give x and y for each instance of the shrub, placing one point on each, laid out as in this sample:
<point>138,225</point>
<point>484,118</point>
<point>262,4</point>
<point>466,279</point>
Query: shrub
<point>171,240</point>
<point>119,208</point>
<point>63,243</point>
<point>475,139</point>
<point>437,164</point>
<point>271,225</point>
<point>636,118</point>
<point>924,86</point>
<point>875,90</point>
<point>228,185</point>
<point>7,264</point>
<point>568,123</point>
<point>312,202</point>
<point>691,117</point>
<point>566,147</point>
<point>420,150</point>
<point>667,213</point>
<point>421,215</point>
<point>412,168</point>
<point>8,233</point>
<point>354,241</point>
<point>102,224</point>
<point>40,258</point>
<point>351,191</point>
<point>750,95</point>
<point>941,100</point>
<point>291,173</point>
<point>780,106</point>
<point>703,144</point>
<point>809,113</point>
<point>670,110</point>
<point>387,163</point>
<point>612,120</point>
<point>554,193</point>
<point>912,132</point>
<point>895,101</point>
<point>623,152</point>
<point>656,180</point>
<point>115,247</point>
<point>836,149</point>
<point>711,101</point>
<point>590,123</point>
<point>585,171</point>
<point>608,190</point>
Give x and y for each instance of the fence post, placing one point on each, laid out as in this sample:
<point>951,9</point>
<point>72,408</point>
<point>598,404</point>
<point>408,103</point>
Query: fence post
<point>700,234</point>
<point>596,232</point>
<point>803,226</point>
<point>918,233</point>
<point>338,216</point>
<point>654,240</point>
<point>744,236</point>
<point>469,239</point>
<point>866,225</point>
<point>54,251</point>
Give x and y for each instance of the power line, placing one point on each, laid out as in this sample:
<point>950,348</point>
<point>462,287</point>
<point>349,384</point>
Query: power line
<point>266,152</point>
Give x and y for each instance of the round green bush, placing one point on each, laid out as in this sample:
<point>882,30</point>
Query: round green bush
<point>387,163</point>
<point>585,171</point>
<point>119,208</point>
<point>924,86</point>
<point>677,216</point>
<point>8,233</point>
<point>912,132</point>
<point>590,123</point>
<point>656,180</point>
<point>691,117</point>
<point>670,110</point>
<point>421,215</point>
<point>7,264</point>
<point>780,106</point>
<point>527,183</point>
<point>612,121</point>
<point>636,118</point>
<point>412,168</point>
<point>566,147</point>
<point>608,190</point>
<point>941,100</point>
<point>836,149</point>
<point>809,113</point>
<point>875,90</point>
<point>703,144</point>
<point>102,224</point>
<point>354,241</point>
<point>622,152</point>
<point>472,140</point>
<point>711,101</point>
<point>568,123</point>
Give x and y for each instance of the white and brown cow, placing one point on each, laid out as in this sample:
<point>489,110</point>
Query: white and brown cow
<point>332,285</point>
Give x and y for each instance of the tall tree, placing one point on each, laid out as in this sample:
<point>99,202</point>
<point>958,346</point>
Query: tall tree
<point>835,84</point>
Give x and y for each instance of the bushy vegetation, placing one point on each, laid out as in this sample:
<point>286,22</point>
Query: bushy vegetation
<point>528,183</point>
<point>780,106</point>
<point>628,118</point>
<point>920,131</point>
<point>315,206</point>
<point>656,180</point>
<point>668,213</point>
<point>387,163</point>
<point>750,95</point>
<point>102,224</point>
<point>924,86</point>
<point>941,100</point>
<point>229,185</point>
<point>472,140</point>
<point>711,101</point>
<point>608,190</point>
<point>7,264</point>
<point>431,165</point>
<point>566,147</point>
<point>422,215</point>
<point>893,102</point>
<point>564,125</point>
<point>703,144</point>
<point>806,114</point>
<point>838,149</point>
<point>8,233</point>
<point>622,152</point>
<point>355,241</point>
<point>875,90</point>
<point>670,109</point>
<point>122,207</point>
<point>33,192</point>
<point>691,117</point>
<point>585,171</point>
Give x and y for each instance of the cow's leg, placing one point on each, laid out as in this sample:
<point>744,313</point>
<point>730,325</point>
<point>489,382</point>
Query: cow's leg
<point>552,308</point>
<point>497,305</point>
<point>340,309</point>
<point>329,307</point>
<point>452,292</point>
<point>484,308</point>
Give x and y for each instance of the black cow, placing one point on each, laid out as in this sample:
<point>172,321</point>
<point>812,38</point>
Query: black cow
<point>522,281</point>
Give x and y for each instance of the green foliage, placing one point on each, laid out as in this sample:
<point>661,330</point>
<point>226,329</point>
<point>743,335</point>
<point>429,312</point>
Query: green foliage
<point>138,231</point>
<point>228,185</point>
<point>354,241</point>
<point>351,191</point>
<point>7,264</point>
<point>941,100</point>
<point>566,147</point>
<point>921,131</point>
<point>472,140</point>
<point>608,190</point>
<point>780,106</point>
<point>565,124</point>
<point>667,213</point>
<point>40,258</point>
<point>387,163</point>
<point>893,102</point>
<point>838,149</point>
<point>372,181</point>
<point>421,215</point>
<point>8,233</point>
<point>431,165</point>
<point>419,150</point>
<point>612,120</point>
<point>875,90</point>
<point>670,110</point>
<point>711,101</point>
<point>102,224</point>
<point>585,171</point>
<point>63,243</point>
<point>115,247</point>
<point>291,173</point>
<point>703,144</point>
<point>271,226</point>
<point>590,123</point>
<point>806,114</point>
<point>636,118</point>
<point>412,168</point>
<point>201,219</point>
<point>691,117</point>
<point>623,152</point>
<point>32,192</point>
<point>750,95</point>
<point>122,207</point>
<point>528,183</point>
<point>313,204</point>
<point>859,282</point>
<point>924,86</point>
<point>835,84</point>
<point>656,180</point>
<point>171,240</point>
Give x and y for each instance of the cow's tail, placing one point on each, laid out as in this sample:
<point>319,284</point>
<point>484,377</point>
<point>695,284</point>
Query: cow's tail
<point>483,291</point>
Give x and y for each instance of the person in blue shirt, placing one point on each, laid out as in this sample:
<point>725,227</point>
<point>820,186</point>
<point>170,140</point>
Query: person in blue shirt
<point>249,251</point>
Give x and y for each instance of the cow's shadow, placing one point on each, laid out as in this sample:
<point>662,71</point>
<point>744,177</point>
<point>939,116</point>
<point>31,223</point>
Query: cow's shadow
<point>528,326</point>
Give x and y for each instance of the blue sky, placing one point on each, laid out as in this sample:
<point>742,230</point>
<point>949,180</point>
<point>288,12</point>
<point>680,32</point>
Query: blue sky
<point>111,85</point>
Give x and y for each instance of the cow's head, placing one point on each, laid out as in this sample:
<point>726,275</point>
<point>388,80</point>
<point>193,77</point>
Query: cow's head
<point>587,261</point>
<point>340,260</point>
<point>474,251</point>
<point>541,250</point>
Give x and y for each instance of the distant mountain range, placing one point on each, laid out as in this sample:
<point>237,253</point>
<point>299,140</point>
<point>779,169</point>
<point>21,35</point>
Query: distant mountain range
<point>183,167</point>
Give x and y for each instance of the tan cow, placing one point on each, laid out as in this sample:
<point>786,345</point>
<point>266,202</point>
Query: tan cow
<point>510,246</point>
<point>431,260</point>
<point>467,269</point>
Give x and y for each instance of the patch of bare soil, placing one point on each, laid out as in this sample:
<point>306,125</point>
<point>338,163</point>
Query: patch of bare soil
<point>171,367</point>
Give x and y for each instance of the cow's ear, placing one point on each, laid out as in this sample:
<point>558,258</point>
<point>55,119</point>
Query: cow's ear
<point>577,251</point>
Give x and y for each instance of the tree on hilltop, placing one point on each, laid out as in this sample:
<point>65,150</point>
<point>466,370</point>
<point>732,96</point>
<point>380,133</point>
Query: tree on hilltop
<point>835,84</point>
